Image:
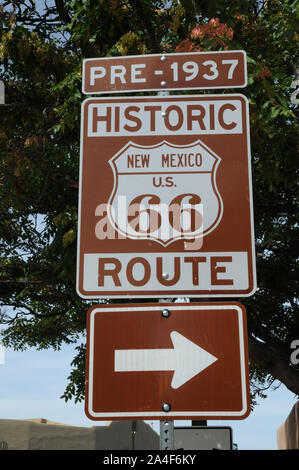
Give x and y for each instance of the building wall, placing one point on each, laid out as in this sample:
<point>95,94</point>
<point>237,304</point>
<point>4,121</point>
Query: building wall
<point>288,432</point>
<point>43,435</point>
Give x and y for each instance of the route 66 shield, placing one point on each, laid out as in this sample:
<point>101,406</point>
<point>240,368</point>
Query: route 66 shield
<point>149,198</point>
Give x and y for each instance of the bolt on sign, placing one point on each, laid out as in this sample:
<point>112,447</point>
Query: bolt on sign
<point>176,361</point>
<point>204,70</point>
<point>165,203</point>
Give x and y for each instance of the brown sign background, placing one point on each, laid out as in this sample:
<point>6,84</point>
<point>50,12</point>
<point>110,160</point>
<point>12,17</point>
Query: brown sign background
<point>205,70</point>
<point>221,391</point>
<point>233,235</point>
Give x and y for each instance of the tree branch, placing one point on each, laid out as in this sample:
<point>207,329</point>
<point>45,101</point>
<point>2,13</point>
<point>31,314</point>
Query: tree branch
<point>145,20</point>
<point>270,361</point>
<point>63,14</point>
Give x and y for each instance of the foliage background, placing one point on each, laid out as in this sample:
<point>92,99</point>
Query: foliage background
<point>41,53</point>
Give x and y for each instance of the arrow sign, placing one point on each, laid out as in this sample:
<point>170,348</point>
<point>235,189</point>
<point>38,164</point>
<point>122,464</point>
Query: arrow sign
<point>137,360</point>
<point>186,359</point>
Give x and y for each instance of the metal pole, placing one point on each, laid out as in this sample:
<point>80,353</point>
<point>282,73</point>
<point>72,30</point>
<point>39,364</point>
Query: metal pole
<point>166,427</point>
<point>166,435</point>
<point>133,431</point>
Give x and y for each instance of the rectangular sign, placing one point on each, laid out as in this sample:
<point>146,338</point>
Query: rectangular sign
<point>167,361</point>
<point>181,71</point>
<point>203,438</point>
<point>165,198</point>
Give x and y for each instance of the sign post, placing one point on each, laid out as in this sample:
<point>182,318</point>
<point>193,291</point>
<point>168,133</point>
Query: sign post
<point>166,435</point>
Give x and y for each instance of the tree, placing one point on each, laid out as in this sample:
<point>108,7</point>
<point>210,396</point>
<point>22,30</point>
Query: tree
<point>41,56</point>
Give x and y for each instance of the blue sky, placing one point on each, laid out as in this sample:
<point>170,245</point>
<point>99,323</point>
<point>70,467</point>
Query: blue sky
<point>31,383</point>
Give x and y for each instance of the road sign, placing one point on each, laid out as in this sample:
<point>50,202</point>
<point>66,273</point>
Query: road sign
<point>165,203</point>
<point>170,361</point>
<point>203,438</point>
<point>204,70</point>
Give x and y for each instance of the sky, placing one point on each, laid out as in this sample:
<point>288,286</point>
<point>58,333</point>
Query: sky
<point>31,383</point>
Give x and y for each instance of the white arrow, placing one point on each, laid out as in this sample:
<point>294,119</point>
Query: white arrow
<point>186,359</point>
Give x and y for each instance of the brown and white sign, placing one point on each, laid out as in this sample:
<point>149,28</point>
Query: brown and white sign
<point>167,361</point>
<point>195,70</point>
<point>165,204</point>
